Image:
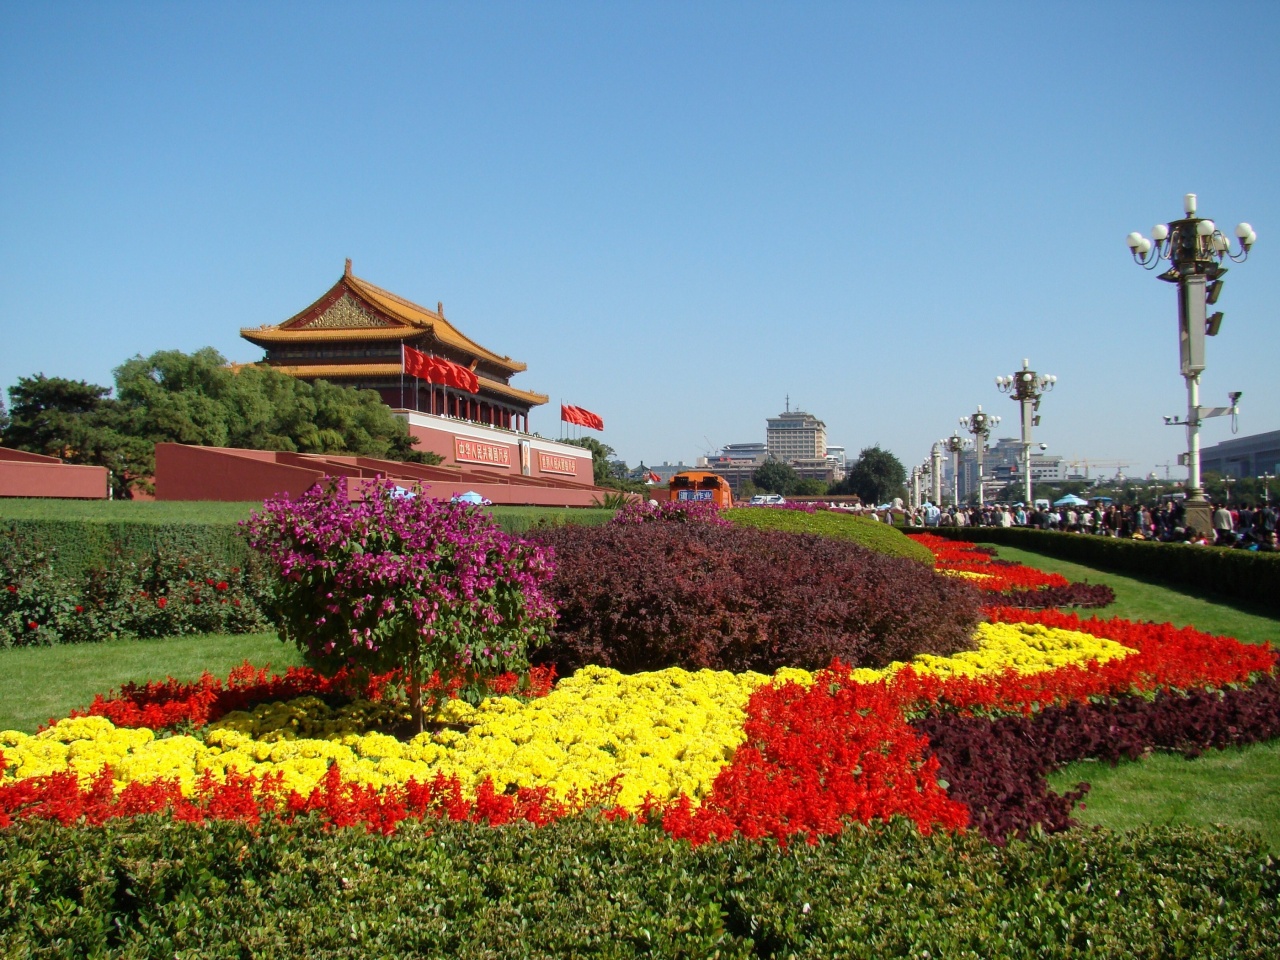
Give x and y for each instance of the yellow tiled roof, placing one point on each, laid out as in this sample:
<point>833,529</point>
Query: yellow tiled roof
<point>345,371</point>
<point>268,334</point>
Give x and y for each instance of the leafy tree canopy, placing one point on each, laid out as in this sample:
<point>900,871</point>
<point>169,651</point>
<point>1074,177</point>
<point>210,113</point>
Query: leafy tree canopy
<point>809,487</point>
<point>172,397</point>
<point>776,477</point>
<point>876,477</point>
<point>606,469</point>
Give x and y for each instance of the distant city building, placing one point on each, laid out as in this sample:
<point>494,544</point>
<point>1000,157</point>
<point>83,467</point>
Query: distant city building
<point>793,437</point>
<point>796,435</point>
<point>735,470</point>
<point>1250,456</point>
<point>837,463</point>
<point>665,471</point>
<point>1002,463</point>
<point>744,451</point>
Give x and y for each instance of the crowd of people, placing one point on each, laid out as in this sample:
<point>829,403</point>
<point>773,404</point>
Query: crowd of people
<point>1246,527</point>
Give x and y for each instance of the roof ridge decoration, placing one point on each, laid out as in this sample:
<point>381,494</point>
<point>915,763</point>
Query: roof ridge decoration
<point>354,304</point>
<point>346,312</point>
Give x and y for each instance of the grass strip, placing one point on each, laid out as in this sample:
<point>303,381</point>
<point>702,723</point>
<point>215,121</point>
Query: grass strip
<point>1139,600</point>
<point>40,683</point>
<point>1237,788</point>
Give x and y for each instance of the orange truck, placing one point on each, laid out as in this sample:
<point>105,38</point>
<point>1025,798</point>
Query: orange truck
<point>702,485</point>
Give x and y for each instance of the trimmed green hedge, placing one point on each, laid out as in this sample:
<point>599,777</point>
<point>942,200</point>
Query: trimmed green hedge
<point>97,534</point>
<point>1245,574</point>
<point>153,887</point>
<point>880,537</point>
<point>78,546</point>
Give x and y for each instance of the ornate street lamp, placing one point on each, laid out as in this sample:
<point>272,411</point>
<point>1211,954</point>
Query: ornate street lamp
<point>955,444</point>
<point>980,424</point>
<point>1026,386</point>
<point>1194,248</point>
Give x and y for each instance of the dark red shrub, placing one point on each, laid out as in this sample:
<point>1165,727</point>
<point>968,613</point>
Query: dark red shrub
<point>997,768</point>
<point>648,596</point>
<point>1072,595</point>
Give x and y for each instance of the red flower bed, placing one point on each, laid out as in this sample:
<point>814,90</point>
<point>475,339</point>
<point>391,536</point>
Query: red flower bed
<point>815,758</point>
<point>164,704</point>
<point>247,799</point>
<point>998,576</point>
<point>1166,657</point>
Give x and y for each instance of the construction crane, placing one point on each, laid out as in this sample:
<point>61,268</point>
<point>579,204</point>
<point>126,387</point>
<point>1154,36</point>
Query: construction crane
<point>1087,463</point>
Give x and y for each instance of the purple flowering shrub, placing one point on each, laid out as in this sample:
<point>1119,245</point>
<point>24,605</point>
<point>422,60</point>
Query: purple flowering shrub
<point>669,511</point>
<point>424,585</point>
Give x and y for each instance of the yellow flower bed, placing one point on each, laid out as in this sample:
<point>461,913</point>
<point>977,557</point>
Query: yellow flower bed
<point>1025,647</point>
<point>966,574</point>
<point>659,733</point>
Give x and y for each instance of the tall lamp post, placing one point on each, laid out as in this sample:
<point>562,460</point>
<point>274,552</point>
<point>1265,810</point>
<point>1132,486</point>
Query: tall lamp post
<point>955,444</point>
<point>1026,386</point>
<point>1194,248</point>
<point>935,473</point>
<point>980,424</point>
<point>1266,479</point>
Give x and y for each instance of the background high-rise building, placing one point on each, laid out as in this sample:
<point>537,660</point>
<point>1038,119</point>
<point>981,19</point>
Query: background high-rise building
<point>796,435</point>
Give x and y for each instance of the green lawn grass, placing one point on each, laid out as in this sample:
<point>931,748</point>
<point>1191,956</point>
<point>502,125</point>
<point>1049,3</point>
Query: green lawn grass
<point>40,683</point>
<point>1239,787</point>
<point>1140,600</point>
<point>512,518</point>
<point>134,511</point>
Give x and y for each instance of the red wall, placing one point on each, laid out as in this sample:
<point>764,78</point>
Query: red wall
<point>219,473</point>
<point>31,475</point>
<point>440,439</point>
<point>215,473</point>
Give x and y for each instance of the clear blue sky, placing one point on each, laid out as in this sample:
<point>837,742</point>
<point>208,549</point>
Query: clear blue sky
<point>676,213</point>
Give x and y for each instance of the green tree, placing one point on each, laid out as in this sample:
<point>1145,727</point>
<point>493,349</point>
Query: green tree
<point>776,477</point>
<point>810,487</point>
<point>173,397</point>
<point>606,469</point>
<point>78,422</point>
<point>876,477</point>
<point>601,455</point>
<point>49,414</point>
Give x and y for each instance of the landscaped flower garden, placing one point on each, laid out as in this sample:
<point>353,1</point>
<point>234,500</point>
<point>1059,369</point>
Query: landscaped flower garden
<point>677,717</point>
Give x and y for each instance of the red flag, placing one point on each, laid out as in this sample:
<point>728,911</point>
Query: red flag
<point>439,370</point>
<point>583,418</point>
<point>653,477</point>
<point>415,363</point>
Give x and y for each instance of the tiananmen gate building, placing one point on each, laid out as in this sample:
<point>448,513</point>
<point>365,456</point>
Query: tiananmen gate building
<point>354,336</point>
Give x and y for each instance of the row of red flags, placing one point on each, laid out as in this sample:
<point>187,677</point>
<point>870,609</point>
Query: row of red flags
<point>439,371</point>
<point>583,418</point>
<point>448,374</point>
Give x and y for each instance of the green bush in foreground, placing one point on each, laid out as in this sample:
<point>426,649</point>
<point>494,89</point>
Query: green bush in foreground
<point>880,537</point>
<point>583,887</point>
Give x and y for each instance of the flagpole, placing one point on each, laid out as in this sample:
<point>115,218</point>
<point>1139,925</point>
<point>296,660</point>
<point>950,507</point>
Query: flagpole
<point>401,374</point>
